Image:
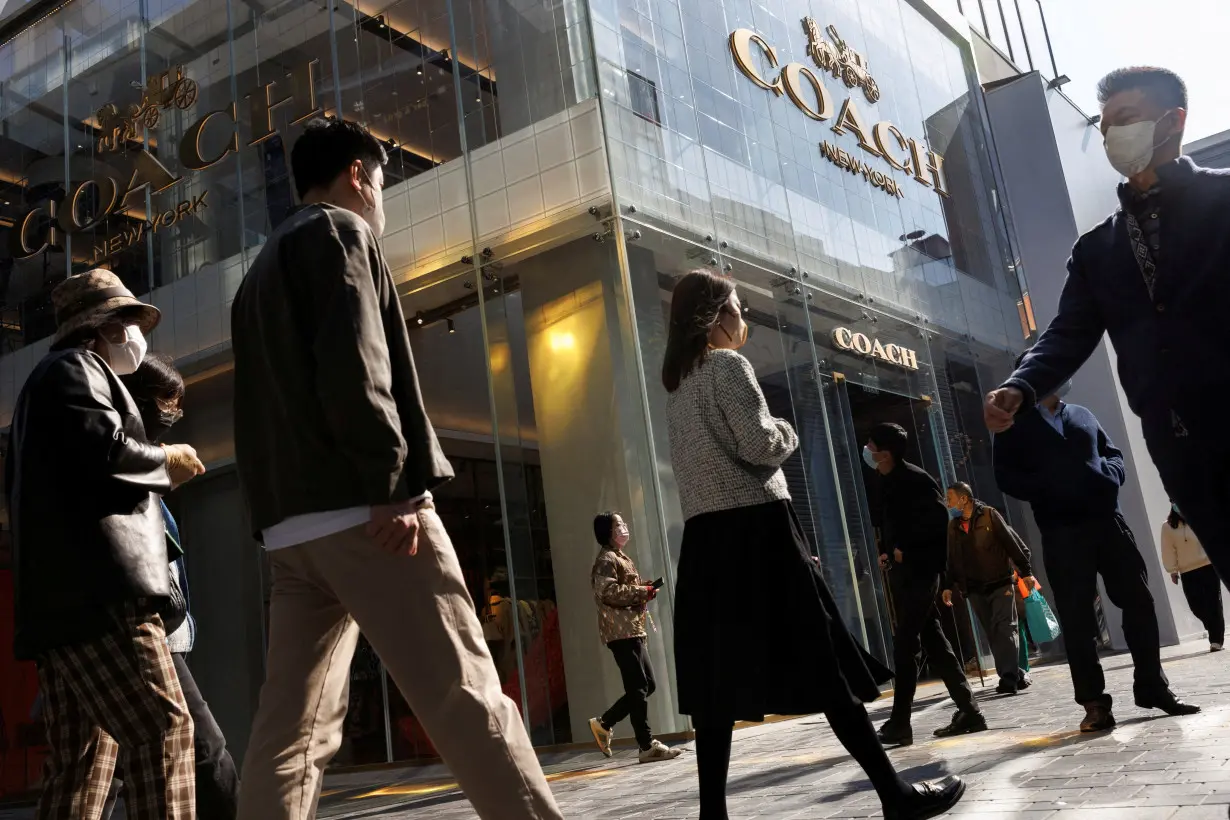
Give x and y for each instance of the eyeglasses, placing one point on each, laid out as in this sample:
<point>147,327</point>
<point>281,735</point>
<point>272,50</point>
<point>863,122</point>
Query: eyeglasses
<point>169,409</point>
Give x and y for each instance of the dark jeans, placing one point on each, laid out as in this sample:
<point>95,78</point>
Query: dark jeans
<point>1196,474</point>
<point>1075,556</point>
<point>1202,588</point>
<point>217,780</point>
<point>632,658</point>
<point>918,625</point>
<point>849,723</point>
<point>996,611</point>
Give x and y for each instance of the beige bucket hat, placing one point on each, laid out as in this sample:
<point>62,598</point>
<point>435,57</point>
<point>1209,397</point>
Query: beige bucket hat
<point>88,298</point>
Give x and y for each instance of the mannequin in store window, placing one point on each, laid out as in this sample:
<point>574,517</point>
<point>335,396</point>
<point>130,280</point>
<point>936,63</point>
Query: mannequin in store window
<point>757,631</point>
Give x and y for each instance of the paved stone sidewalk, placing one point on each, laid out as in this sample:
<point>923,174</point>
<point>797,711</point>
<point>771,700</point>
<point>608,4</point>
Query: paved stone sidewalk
<point>1031,764</point>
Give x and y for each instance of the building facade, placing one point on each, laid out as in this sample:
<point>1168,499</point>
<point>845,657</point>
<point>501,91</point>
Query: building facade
<point>555,166</point>
<point>1212,152</point>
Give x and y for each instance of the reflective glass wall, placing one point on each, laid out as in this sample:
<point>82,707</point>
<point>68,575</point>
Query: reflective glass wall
<point>555,166</point>
<point>833,158</point>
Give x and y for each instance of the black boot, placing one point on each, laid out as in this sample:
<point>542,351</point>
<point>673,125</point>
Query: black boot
<point>929,799</point>
<point>963,723</point>
<point>1168,703</point>
<point>1098,718</point>
<point>894,734</point>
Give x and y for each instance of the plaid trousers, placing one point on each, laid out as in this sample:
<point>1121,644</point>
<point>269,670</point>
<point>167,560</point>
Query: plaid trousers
<point>116,700</point>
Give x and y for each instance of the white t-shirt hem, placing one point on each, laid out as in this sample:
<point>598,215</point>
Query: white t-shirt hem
<point>300,529</point>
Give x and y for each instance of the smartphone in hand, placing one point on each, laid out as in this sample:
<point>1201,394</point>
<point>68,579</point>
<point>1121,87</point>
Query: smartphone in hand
<point>658,584</point>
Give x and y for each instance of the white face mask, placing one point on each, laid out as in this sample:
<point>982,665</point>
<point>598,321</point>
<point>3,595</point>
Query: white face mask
<point>127,357</point>
<point>1130,147</point>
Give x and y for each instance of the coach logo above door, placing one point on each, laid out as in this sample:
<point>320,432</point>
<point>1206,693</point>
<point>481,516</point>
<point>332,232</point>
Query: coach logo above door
<point>864,345</point>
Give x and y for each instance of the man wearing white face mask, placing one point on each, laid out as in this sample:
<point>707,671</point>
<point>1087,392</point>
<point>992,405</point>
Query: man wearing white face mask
<point>622,597</point>
<point>338,461</point>
<point>1153,276</point>
<point>92,572</point>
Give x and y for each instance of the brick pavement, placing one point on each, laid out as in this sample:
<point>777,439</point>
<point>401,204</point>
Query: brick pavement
<point>1031,764</point>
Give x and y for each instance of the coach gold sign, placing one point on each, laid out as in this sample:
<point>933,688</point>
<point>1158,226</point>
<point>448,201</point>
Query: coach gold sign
<point>809,94</point>
<point>864,345</point>
<point>120,131</point>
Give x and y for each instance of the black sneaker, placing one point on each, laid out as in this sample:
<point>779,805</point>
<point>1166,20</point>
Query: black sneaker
<point>929,799</point>
<point>963,723</point>
<point>893,734</point>
<point>1007,687</point>
<point>1025,682</point>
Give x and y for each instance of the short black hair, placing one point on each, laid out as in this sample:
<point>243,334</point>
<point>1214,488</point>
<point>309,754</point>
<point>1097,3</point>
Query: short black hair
<point>604,527</point>
<point>1162,85</point>
<point>156,378</point>
<point>327,148</point>
<point>961,488</point>
<point>890,437</point>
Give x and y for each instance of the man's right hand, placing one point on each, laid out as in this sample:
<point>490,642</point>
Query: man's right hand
<point>653,593</point>
<point>999,409</point>
<point>395,528</point>
<point>883,560</point>
<point>182,463</point>
<point>948,597</point>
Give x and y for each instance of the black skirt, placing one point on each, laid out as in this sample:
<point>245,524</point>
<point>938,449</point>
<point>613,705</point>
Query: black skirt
<point>757,631</point>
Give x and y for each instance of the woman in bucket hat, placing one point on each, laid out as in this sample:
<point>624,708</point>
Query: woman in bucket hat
<point>92,568</point>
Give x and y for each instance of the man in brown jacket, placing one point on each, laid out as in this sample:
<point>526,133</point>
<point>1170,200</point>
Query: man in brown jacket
<point>338,460</point>
<point>621,597</point>
<point>982,551</point>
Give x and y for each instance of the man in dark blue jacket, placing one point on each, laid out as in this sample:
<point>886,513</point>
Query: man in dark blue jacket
<point>1057,457</point>
<point>1155,276</point>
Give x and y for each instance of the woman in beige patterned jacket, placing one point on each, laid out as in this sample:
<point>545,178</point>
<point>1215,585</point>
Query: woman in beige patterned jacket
<point>621,597</point>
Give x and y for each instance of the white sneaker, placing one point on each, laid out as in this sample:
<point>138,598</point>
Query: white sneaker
<point>1215,647</point>
<point>659,751</point>
<point>601,736</point>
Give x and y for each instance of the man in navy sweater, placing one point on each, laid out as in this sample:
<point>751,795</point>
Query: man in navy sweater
<point>1057,457</point>
<point>1155,276</point>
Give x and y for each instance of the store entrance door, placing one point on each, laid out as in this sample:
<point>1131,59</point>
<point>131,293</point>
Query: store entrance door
<point>862,407</point>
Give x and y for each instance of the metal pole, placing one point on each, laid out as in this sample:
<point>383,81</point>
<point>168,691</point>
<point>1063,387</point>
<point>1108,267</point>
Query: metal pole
<point>956,631</point>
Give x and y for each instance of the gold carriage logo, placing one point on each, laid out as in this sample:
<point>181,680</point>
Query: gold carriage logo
<point>161,92</point>
<point>90,202</point>
<point>798,82</point>
<point>843,62</point>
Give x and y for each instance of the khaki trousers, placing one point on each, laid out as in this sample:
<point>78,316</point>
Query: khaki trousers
<point>419,617</point>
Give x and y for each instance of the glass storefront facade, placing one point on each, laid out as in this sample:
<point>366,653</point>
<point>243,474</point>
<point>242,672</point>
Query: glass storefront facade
<point>555,165</point>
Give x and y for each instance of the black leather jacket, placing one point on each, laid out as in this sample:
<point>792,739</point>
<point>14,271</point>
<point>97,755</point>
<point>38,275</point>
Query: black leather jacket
<point>80,478</point>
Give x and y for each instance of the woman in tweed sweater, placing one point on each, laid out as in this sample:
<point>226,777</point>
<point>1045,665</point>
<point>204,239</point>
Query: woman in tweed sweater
<point>784,649</point>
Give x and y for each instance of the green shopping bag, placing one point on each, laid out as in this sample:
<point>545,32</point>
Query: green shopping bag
<point>1043,625</point>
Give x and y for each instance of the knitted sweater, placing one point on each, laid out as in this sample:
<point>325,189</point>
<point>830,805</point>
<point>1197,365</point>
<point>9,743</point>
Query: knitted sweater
<point>727,450</point>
